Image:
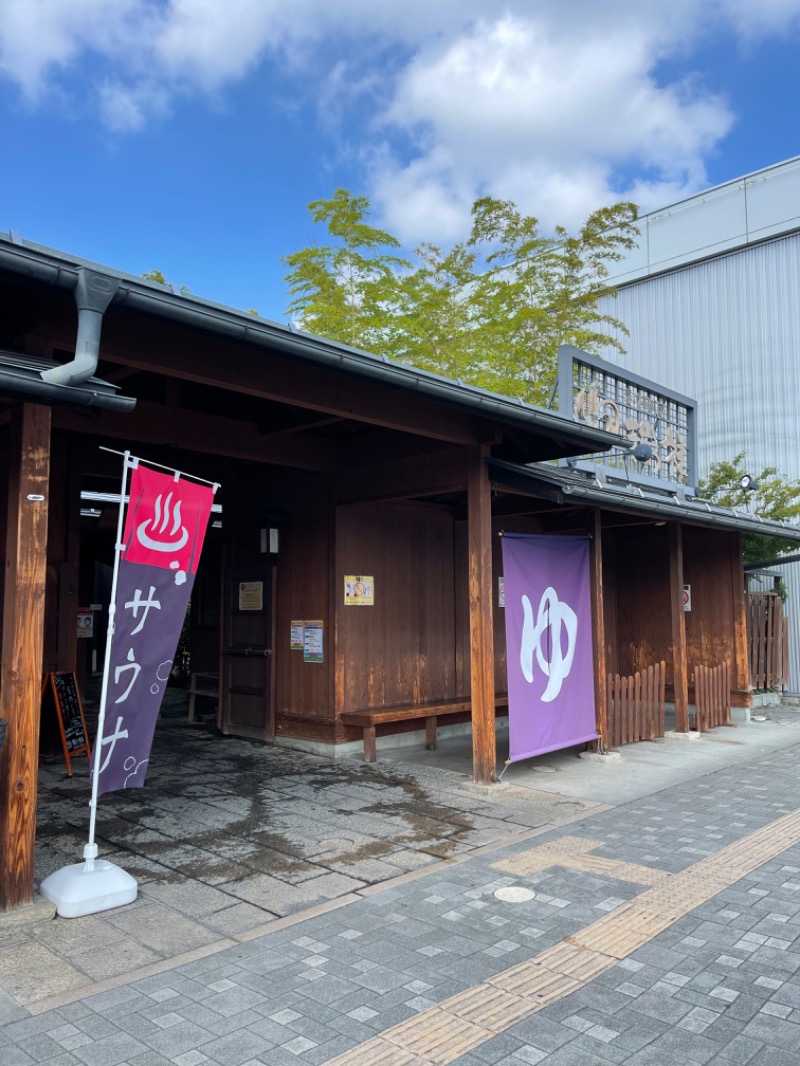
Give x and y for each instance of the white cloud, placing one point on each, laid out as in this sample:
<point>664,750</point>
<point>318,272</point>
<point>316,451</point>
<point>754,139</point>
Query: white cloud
<point>39,38</point>
<point>517,109</point>
<point>546,103</point>
<point>127,108</point>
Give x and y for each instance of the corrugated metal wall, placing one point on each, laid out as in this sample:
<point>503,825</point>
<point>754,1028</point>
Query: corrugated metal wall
<point>727,333</point>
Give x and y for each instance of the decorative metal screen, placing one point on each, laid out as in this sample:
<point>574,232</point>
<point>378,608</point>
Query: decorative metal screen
<point>639,411</point>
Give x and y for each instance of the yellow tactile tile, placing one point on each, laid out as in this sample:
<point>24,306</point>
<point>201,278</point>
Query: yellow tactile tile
<point>574,853</point>
<point>437,1036</point>
<point>535,983</point>
<point>575,960</point>
<point>489,1008</point>
<point>376,1052</point>
<point>457,1025</point>
<point>622,871</point>
<point>554,853</point>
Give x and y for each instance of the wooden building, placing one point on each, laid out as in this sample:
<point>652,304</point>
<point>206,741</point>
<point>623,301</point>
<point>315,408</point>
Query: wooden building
<point>335,465</point>
<point>360,466</point>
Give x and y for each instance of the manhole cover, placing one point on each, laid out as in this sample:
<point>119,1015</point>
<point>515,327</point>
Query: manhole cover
<point>514,895</point>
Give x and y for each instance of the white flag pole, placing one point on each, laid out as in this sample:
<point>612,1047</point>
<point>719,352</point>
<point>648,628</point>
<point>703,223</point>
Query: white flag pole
<point>90,850</point>
<point>91,886</point>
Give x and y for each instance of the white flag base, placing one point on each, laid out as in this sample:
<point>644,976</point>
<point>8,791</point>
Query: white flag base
<point>89,887</point>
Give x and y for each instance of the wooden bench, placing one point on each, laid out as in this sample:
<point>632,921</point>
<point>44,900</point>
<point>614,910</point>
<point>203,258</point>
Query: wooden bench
<point>367,720</point>
<point>202,685</point>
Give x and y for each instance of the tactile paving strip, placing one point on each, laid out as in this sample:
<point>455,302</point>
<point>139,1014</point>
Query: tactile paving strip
<point>442,1034</point>
<point>573,852</point>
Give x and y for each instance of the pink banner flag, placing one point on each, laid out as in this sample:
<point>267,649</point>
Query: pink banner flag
<point>165,526</point>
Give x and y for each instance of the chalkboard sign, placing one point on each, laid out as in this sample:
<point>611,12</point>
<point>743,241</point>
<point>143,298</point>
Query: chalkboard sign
<point>63,688</point>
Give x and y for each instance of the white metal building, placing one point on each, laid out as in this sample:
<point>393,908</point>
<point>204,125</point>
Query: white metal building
<point>712,300</point>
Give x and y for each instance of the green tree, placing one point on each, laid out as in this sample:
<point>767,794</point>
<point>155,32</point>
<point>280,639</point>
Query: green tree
<point>346,290</point>
<point>492,310</point>
<point>434,326</point>
<point>540,291</point>
<point>774,498</point>
<point>157,276</point>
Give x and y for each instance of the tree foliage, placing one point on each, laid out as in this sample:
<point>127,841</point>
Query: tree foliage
<point>774,498</point>
<point>346,289</point>
<point>158,276</point>
<point>491,310</point>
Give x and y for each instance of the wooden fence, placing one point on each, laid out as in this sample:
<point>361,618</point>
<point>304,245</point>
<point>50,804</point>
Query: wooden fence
<point>635,709</point>
<point>767,639</point>
<point>712,696</point>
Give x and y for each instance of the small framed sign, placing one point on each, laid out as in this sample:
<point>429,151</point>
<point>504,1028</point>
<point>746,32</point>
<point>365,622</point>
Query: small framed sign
<point>359,591</point>
<point>251,595</point>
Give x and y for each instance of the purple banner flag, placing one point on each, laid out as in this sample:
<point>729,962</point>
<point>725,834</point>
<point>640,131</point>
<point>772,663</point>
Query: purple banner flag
<point>549,643</point>
<point>164,530</point>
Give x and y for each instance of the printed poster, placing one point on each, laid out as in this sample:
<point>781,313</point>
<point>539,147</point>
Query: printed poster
<point>312,642</point>
<point>297,636</point>
<point>359,591</point>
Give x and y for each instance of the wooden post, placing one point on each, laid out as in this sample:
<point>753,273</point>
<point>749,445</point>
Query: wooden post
<point>680,668</point>
<point>481,635</point>
<point>598,630</point>
<point>740,674</point>
<point>22,646</point>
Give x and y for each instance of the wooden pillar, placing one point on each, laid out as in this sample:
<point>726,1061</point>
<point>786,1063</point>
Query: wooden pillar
<point>598,628</point>
<point>481,634</point>
<point>680,669</point>
<point>740,667</point>
<point>22,646</point>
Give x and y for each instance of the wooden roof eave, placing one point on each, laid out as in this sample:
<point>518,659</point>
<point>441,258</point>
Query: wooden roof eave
<point>550,435</point>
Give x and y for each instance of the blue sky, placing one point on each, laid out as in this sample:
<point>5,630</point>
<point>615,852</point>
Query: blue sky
<point>190,135</point>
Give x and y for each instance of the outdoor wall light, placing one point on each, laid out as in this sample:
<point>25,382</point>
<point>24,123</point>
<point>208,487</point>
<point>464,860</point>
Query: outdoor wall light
<point>642,453</point>
<point>270,541</point>
<point>748,483</point>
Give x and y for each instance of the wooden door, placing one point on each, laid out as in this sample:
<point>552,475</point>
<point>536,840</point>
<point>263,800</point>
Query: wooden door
<point>246,670</point>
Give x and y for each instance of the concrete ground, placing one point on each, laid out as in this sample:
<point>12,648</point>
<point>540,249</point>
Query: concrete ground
<point>296,910</point>
<point>634,771</point>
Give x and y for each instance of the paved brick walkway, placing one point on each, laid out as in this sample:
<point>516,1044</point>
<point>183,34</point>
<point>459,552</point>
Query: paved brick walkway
<point>378,979</point>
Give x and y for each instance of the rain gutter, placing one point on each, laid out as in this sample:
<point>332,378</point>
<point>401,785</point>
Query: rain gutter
<point>30,386</point>
<point>47,266</point>
<point>516,476</point>
<point>773,562</point>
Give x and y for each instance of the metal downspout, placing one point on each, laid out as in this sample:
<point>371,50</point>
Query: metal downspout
<point>93,293</point>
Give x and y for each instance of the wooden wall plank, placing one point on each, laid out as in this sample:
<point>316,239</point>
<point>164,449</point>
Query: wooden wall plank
<point>642,621</point>
<point>716,630</point>
<point>303,691</point>
<point>22,648</point>
<point>402,649</point>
